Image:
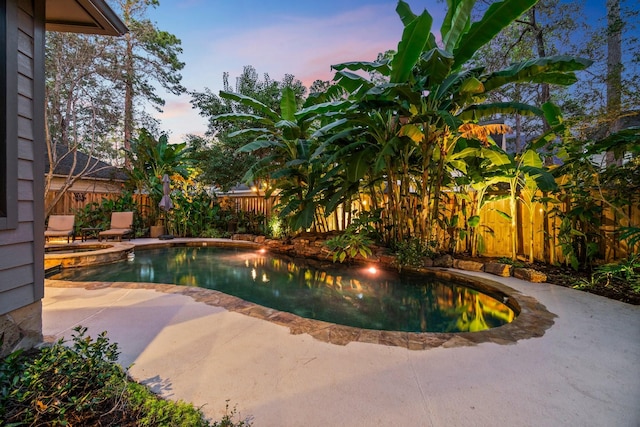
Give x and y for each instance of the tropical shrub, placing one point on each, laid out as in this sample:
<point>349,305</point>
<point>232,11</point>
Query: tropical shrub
<point>81,384</point>
<point>348,245</point>
<point>151,158</point>
<point>627,269</point>
<point>411,253</point>
<point>98,215</point>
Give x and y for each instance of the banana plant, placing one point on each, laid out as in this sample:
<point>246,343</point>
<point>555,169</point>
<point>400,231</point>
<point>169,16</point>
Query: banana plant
<point>150,160</point>
<point>429,95</point>
<point>290,160</point>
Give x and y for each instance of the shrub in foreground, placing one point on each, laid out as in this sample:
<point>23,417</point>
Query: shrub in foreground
<point>81,384</point>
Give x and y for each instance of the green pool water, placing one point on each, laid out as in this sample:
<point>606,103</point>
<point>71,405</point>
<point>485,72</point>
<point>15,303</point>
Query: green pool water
<point>357,296</point>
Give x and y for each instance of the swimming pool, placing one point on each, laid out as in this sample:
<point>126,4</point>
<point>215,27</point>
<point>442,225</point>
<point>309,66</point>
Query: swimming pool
<point>357,296</point>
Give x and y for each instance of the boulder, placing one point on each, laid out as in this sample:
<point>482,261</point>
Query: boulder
<point>468,265</point>
<point>243,237</point>
<point>499,269</point>
<point>445,261</point>
<point>427,262</point>
<point>530,275</point>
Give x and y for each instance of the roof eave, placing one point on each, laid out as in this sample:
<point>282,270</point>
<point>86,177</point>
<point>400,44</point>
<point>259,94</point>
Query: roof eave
<point>83,16</point>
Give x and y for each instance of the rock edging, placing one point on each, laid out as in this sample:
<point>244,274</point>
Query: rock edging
<point>310,246</point>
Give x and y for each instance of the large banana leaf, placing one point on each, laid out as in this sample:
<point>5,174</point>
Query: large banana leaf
<point>561,79</point>
<point>381,67</point>
<point>554,70</point>
<point>531,158</point>
<point>290,130</point>
<point>453,80</point>
<point>415,40</point>
<point>498,16</point>
<point>250,132</point>
<point>250,102</point>
<point>323,108</point>
<point>480,111</point>
<point>404,12</point>
<point>553,116</point>
<point>236,117</point>
<point>260,168</point>
<point>259,144</point>
<point>351,82</point>
<point>304,217</point>
<point>456,23</point>
<point>436,65</point>
<point>495,156</point>
<point>450,120</point>
<point>543,179</point>
<point>325,129</point>
<point>471,86</point>
<point>359,164</point>
<point>338,156</point>
<point>288,105</point>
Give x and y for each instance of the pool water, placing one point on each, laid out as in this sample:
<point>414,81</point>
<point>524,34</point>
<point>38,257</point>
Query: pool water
<point>357,296</point>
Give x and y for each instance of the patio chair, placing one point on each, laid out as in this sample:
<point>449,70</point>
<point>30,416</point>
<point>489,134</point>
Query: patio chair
<point>121,226</point>
<point>60,226</point>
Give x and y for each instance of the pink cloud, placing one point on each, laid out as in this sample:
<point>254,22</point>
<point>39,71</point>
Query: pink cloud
<point>175,108</point>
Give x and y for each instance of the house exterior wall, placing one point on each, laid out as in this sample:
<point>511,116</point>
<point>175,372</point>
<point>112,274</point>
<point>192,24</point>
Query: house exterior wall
<point>22,245</point>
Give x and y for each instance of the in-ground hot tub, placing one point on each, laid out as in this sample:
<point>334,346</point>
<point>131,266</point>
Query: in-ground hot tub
<point>85,254</point>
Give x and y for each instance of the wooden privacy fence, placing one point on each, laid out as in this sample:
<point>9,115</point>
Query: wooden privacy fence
<point>71,202</point>
<point>541,232</point>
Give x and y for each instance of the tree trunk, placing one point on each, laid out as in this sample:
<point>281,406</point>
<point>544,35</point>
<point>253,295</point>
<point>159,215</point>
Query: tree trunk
<point>614,71</point>
<point>545,94</point>
<point>128,98</point>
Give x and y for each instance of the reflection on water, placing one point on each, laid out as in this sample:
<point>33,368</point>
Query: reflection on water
<point>358,296</point>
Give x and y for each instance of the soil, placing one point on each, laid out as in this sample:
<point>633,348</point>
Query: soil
<point>615,289</point>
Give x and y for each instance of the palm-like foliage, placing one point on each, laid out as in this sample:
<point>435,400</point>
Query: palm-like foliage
<point>290,160</point>
<point>150,160</point>
<point>406,130</point>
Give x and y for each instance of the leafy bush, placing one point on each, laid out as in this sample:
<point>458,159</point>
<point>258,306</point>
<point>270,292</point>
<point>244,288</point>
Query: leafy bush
<point>82,385</point>
<point>411,252</point>
<point>627,269</point>
<point>215,233</point>
<point>349,244</point>
<point>99,214</point>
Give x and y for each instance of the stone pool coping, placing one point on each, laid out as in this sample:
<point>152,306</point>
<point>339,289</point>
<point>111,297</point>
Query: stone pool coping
<point>105,253</point>
<point>532,320</point>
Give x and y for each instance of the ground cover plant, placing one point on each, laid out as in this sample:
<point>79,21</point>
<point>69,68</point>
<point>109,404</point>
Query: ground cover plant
<point>81,384</point>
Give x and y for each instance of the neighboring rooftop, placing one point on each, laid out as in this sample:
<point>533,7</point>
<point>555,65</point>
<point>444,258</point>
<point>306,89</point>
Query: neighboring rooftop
<point>98,168</point>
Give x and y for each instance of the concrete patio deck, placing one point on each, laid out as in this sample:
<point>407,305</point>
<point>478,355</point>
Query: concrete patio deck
<point>584,370</point>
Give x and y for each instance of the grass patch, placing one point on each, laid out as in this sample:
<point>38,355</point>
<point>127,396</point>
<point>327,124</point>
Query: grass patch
<point>81,384</point>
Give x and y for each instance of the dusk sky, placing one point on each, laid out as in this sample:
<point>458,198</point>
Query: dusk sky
<point>302,38</point>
